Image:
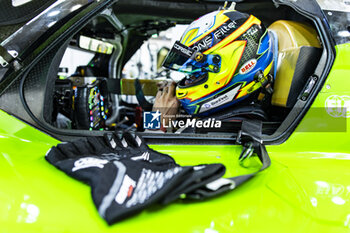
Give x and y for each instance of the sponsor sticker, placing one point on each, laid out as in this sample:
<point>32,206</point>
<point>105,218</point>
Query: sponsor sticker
<point>183,49</point>
<point>125,190</point>
<point>213,38</point>
<point>221,100</point>
<point>88,162</point>
<point>248,66</point>
<point>338,106</point>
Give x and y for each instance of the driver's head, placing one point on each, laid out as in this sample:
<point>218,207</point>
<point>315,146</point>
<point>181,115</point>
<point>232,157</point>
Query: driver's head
<point>221,54</point>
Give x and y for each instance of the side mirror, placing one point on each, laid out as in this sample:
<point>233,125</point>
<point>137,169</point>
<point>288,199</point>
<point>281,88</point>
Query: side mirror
<point>161,55</point>
<point>94,45</point>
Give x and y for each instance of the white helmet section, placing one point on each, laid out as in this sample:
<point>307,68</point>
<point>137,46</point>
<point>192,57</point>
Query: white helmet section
<point>203,24</point>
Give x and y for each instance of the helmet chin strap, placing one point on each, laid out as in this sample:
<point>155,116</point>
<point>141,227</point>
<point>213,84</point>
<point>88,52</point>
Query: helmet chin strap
<point>267,81</point>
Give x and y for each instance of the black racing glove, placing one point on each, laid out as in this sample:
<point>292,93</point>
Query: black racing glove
<point>136,148</point>
<point>125,175</point>
<point>121,188</point>
<point>111,146</point>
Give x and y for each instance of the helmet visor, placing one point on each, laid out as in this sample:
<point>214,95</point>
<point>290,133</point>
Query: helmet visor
<point>187,60</point>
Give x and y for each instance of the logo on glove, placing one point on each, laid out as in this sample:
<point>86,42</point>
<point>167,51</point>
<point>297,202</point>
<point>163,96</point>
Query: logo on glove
<point>88,162</point>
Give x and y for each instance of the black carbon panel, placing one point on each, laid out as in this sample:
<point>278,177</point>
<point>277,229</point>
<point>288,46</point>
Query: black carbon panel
<point>6,31</point>
<point>10,14</point>
<point>252,46</point>
<point>38,89</point>
<point>305,67</point>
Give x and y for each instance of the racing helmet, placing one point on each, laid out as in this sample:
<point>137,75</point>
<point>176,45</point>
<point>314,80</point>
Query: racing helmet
<point>226,56</point>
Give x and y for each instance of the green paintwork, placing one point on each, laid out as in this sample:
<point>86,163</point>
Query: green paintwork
<point>306,189</point>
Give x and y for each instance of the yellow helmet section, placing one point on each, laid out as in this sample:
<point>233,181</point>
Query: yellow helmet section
<point>242,29</point>
<point>190,35</point>
<point>229,49</point>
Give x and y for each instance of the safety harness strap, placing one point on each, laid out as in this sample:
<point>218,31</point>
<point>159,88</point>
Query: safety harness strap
<point>250,138</point>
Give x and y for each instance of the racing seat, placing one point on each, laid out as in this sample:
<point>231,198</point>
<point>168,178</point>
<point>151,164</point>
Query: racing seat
<point>299,52</point>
